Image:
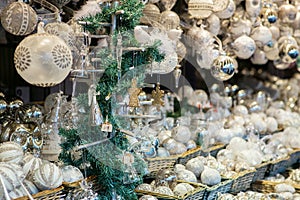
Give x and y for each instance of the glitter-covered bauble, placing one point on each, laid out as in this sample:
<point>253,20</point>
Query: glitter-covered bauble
<point>19,18</point>
<point>223,68</point>
<point>200,8</point>
<point>169,19</point>
<point>43,59</point>
<point>244,47</point>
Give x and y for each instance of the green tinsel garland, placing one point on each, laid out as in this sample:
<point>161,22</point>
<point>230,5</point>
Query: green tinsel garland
<point>102,158</point>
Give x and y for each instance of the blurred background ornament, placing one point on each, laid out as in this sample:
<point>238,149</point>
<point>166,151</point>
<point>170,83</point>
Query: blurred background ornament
<point>200,9</point>
<point>18,18</point>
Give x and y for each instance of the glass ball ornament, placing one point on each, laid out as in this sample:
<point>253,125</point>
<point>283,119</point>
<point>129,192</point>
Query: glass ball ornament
<point>43,59</point>
<point>228,11</point>
<point>151,13</point>
<point>19,18</point>
<point>244,47</point>
<point>223,68</point>
<point>200,8</point>
<point>268,15</point>
<point>169,19</point>
<point>287,13</point>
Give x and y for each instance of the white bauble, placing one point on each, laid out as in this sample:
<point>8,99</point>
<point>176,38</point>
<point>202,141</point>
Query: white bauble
<point>17,193</point>
<point>11,174</point>
<point>71,174</point>
<point>181,134</point>
<point>30,164</point>
<point>31,188</point>
<point>164,190</point>
<point>227,12</point>
<point>162,152</point>
<point>244,47</point>
<point>187,176</point>
<point>48,176</point>
<point>11,152</point>
<point>210,176</point>
<point>179,148</point>
<point>147,197</point>
<point>272,124</point>
<point>195,165</point>
<point>284,187</point>
<point>178,168</point>
<point>43,60</point>
<point>180,190</point>
<point>145,187</point>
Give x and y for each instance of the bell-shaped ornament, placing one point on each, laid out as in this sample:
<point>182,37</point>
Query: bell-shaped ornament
<point>95,117</point>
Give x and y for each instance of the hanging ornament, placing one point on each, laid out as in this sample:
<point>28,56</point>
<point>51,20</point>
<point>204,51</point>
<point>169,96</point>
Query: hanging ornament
<point>288,49</point>
<point>43,60</point>
<point>239,26</point>
<point>259,57</point>
<point>261,35</point>
<point>134,92</point>
<point>130,173</point>
<point>167,4</point>
<point>200,9</point>
<point>180,51</point>
<point>64,31</point>
<point>95,117</point>
<point>151,14</point>
<point>287,13</point>
<point>3,105</point>
<point>177,74</point>
<point>268,14</point>
<point>169,19</point>
<point>228,11</point>
<point>19,18</point>
<point>253,8</point>
<point>214,24</point>
<point>157,96</point>
<point>223,67</point>
<point>220,5</point>
<point>244,47</point>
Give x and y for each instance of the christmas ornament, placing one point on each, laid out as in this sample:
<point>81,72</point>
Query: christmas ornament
<point>261,35</point>
<point>200,9</point>
<point>31,188</point>
<point>219,5</point>
<point>131,175</point>
<point>244,47</point>
<point>19,18</point>
<point>223,67</point>
<point>157,96</point>
<point>214,24</point>
<point>253,8</point>
<point>228,11</point>
<point>43,60</point>
<point>239,26</point>
<point>182,188</point>
<point>64,31</point>
<point>30,164</point>
<point>12,175</point>
<point>147,197</point>
<point>11,152</point>
<point>71,174</point>
<point>48,176</point>
<point>95,117</point>
<point>167,4</point>
<point>268,14</point>
<point>3,105</point>
<point>133,92</point>
<point>177,74</point>
<point>287,13</point>
<point>259,57</point>
<point>288,49</point>
<point>169,20</point>
<point>166,177</point>
<point>151,14</point>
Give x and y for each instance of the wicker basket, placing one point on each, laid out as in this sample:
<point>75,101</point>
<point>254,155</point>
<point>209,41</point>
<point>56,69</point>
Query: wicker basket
<point>92,180</point>
<point>242,181</point>
<point>57,193</point>
<point>261,171</point>
<point>278,166</point>
<point>156,164</point>
<point>223,187</point>
<point>269,186</point>
<point>294,157</point>
<point>186,156</point>
<point>197,193</point>
<point>213,151</point>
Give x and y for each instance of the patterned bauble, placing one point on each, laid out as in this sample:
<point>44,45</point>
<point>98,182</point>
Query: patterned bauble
<point>11,152</point>
<point>169,19</point>
<point>43,59</point>
<point>223,68</point>
<point>71,174</point>
<point>48,176</point>
<point>200,8</point>
<point>4,3</point>
<point>30,164</point>
<point>62,30</point>
<point>11,174</point>
<point>151,13</point>
<point>19,18</point>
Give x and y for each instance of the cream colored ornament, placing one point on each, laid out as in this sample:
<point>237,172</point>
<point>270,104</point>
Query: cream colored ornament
<point>220,5</point>
<point>43,59</point>
<point>259,57</point>
<point>275,31</point>
<point>214,24</point>
<point>48,176</point>
<point>11,152</point>
<point>71,174</point>
<point>151,14</point>
<point>31,188</point>
<point>164,190</point>
<point>179,148</point>
<point>167,4</point>
<point>228,11</point>
<point>181,134</point>
<point>145,187</point>
<point>187,176</point>
<point>147,197</point>
<point>12,175</point>
<point>261,35</point>
<point>272,51</point>
<point>182,189</point>
<point>244,47</point>
<point>17,193</point>
<point>200,9</point>
<point>19,18</point>
<point>288,49</point>
<point>210,176</point>
<point>64,31</point>
<point>253,7</point>
<point>195,165</point>
<point>287,13</point>
<point>5,3</point>
<point>30,164</point>
<point>169,19</point>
